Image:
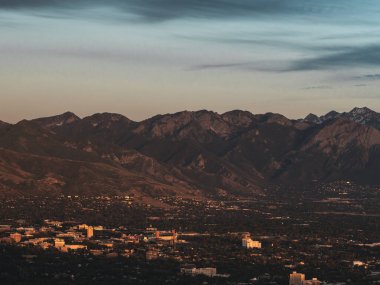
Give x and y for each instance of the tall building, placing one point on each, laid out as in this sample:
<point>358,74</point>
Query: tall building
<point>90,232</point>
<point>296,278</point>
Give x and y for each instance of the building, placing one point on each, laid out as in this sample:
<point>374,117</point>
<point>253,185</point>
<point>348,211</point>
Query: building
<point>57,224</point>
<point>152,254</point>
<point>296,278</point>
<point>37,241</point>
<point>247,242</point>
<point>58,243</point>
<point>69,235</point>
<point>128,252</point>
<point>299,279</point>
<point>313,281</point>
<point>90,232</point>
<point>82,227</point>
<point>358,263</point>
<point>96,252</point>
<point>112,255</point>
<point>193,271</point>
<point>73,247</point>
<point>207,271</point>
<point>45,245</point>
<point>16,237</point>
<point>169,236</point>
<point>5,228</point>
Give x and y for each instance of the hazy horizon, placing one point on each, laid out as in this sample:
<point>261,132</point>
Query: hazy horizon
<point>142,58</point>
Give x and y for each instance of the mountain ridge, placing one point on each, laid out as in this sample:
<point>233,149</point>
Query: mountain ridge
<point>362,115</point>
<point>197,153</point>
<point>68,116</point>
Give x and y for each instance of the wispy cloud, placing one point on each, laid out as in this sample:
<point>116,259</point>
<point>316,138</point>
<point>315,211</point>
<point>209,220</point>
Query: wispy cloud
<point>237,65</point>
<point>368,77</point>
<point>159,10</point>
<point>342,57</point>
<point>322,87</point>
<point>361,56</point>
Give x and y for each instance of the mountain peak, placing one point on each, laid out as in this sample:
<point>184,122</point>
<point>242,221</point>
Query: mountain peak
<point>312,118</point>
<point>238,112</point>
<point>239,118</point>
<point>108,116</point>
<point>182,123</point>
<point>3,123</point>
<point>361,111</point>
<point>274,118</point>
<point>68,113</point>
<point>365,116</point>
<point>330,115</point>
<point>106,121</point>
<point>57,121</point>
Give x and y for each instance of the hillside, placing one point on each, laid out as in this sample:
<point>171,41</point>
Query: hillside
<point>187,153</point>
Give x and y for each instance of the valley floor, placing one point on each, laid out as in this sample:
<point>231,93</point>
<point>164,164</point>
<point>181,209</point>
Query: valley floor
<point>326,231</point>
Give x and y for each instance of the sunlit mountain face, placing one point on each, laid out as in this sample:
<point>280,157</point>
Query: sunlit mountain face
<point>195,154</point>
<point>292,56</point>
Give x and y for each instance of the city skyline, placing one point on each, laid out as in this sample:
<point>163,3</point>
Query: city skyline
<point>141,58</point>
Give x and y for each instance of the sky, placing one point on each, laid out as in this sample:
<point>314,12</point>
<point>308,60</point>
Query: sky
<point>146,57</point>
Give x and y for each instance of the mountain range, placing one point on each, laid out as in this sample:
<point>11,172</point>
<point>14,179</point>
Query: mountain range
<point>187,153</point>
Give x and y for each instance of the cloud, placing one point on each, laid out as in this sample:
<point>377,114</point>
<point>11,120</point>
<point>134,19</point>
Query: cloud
<point>323,87</point>
<point>331,58</point>
<point>368,77</point>
<point>314,57</point>
<point>361,56</point>
<point>269,39</point>
<point>246,66</point>
<point>237,65</point>
<point>160,10</point>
